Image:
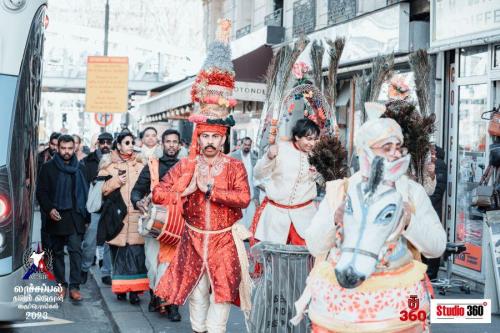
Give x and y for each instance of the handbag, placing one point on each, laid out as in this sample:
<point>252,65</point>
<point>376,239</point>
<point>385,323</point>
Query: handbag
<point>94,199</point>
<point>494,122</point>
<point>482,195</point>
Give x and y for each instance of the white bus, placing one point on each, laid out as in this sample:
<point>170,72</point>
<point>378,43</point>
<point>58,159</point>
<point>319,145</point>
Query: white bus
<point>22,26</point>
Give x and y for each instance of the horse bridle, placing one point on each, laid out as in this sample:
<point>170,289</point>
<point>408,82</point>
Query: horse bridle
<point>389,244</point>
<point>359,251</point>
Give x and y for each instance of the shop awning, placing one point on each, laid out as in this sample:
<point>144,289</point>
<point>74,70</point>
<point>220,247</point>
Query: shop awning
<point>252,53</point>
<point>172,98</point>
<point>252,66</point>
<point>267,35</point>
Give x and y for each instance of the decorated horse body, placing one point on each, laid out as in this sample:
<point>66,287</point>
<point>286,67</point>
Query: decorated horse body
<point>369,276</point>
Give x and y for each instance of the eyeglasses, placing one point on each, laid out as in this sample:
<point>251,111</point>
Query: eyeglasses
<point>127,143</point>
<point>105,142</point>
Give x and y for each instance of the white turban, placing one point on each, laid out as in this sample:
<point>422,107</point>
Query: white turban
<point>377,129</point>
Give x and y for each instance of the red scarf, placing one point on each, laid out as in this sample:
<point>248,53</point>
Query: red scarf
<point>125,157</point>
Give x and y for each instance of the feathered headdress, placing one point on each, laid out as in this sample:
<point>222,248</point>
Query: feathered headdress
<point>213,88</point>
<point>214,84</point>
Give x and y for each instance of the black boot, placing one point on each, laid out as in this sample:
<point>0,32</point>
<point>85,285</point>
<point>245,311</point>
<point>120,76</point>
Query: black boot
<point>153,303</point>
<point>106,280</point>
<point>121,296</point>
<point>133,298</point>
<point>84,277</point>
<point>173,313</point>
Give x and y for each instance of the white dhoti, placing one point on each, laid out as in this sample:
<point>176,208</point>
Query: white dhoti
<point>204,313</point>
<point>155,269</point>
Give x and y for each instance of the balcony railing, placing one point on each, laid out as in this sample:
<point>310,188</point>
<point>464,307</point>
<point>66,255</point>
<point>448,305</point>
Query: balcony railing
<point>274,19</point>
<point>341,11</point>
<point>243,31</point>
<point>304,17</point>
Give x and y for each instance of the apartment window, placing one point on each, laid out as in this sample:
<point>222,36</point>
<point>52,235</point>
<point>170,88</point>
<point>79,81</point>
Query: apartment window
<point>341,10</point>
<point>496,55</point>
<point>304,17</point>
<point>473,61</point>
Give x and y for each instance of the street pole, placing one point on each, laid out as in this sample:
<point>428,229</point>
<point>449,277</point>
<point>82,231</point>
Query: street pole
<point>106,33</point>
<point>106,28</point>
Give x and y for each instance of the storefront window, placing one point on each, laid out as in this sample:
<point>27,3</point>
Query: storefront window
<point>472,161</point>
<point>496,54</point>
<point>473,61</point>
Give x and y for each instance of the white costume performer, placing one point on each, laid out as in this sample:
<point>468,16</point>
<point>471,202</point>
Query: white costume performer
<point>369,272</point>
<point>249,160</point>
<point>290,190</point>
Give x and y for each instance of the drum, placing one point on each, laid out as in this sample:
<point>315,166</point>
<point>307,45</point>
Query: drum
<point>286,268</point>
<point>162,223</point>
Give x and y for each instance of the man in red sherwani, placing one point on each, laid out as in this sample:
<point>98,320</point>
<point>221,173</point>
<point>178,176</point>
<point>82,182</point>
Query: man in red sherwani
<point>210,188</point>
<point>206,257</point>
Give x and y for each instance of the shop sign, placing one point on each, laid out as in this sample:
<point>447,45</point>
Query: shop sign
<point>461,20</point>
<point>249,91</point>
<point>107,84</point>
<point>471,257</point>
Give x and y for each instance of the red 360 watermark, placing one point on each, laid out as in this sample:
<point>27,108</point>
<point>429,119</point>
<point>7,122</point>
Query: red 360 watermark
<point>413,313</point>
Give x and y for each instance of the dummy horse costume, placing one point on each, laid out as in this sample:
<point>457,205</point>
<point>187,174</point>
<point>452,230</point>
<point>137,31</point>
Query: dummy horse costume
<point>369,275</point>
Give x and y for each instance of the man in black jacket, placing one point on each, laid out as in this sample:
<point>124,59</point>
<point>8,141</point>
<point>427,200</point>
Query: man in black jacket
<point>441,173</point>
<point>46,154</point>
<point>140,199</point>
<point>62,193</point>
<point>91,168</point>
<point>43,157</point>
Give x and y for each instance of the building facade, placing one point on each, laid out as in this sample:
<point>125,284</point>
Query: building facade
<point>371,28</point>
<point>465,38</point>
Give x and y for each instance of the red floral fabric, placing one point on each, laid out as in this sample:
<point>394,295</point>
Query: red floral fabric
<point>197,252</point>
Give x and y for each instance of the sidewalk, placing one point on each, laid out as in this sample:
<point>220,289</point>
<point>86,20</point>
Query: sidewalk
<point>137,319</point>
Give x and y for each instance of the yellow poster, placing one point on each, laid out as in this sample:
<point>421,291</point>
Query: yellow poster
<point>107,84</point>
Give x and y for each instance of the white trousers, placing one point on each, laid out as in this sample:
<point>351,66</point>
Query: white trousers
<point>151,249</point>
<point>204,313</point>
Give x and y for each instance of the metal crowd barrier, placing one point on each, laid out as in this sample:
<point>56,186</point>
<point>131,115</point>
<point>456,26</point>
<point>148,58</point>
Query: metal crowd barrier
<point>285,270</point>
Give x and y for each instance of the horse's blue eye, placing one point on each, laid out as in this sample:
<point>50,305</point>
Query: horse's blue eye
<point>348,206</point>
<point>386,215</point>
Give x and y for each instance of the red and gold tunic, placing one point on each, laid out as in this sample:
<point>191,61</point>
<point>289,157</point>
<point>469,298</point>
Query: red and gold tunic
<point>203,247</point>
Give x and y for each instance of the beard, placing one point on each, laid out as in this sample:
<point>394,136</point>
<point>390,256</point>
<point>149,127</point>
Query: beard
<point>105,150</point>
<point>66,157</point>
<point>170,152</point>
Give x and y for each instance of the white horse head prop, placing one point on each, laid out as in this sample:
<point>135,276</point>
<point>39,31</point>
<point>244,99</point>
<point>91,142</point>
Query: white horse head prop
<point>372,222</point>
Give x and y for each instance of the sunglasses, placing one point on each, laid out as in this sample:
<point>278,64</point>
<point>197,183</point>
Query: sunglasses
<point>105,141</point>
<point>127,143</point>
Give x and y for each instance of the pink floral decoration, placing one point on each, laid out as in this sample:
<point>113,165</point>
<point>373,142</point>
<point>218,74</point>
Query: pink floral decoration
<point>299,69</point>
<point>197,118</point>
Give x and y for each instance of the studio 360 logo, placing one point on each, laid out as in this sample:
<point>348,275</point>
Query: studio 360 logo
<point>461,311</point>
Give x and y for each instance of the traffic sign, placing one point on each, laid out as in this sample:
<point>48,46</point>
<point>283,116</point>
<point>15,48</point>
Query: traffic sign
<point>103,119</point>
<point>107,84</point>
